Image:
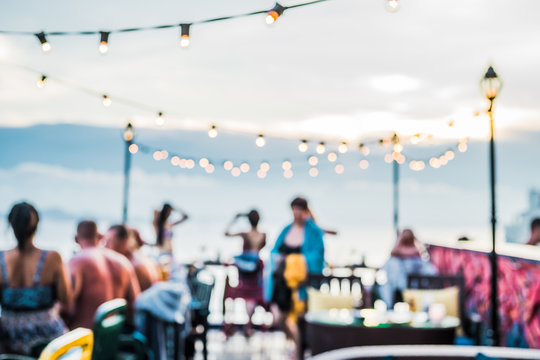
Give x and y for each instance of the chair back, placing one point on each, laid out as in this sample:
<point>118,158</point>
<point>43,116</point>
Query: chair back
<point>66,344</point>
<point>108,323</point>
<point>344,284</point>
<point>435,282</point>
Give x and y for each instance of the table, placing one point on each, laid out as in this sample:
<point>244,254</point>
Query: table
<point>335,329</point>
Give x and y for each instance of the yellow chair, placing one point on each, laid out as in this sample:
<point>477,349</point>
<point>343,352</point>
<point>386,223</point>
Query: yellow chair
<point>78,338</point>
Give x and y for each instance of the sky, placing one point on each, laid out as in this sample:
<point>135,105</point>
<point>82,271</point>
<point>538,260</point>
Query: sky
<point>338,71</point>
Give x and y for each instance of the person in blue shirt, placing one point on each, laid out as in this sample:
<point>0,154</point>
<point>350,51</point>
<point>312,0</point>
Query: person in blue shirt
<point>298,251</point>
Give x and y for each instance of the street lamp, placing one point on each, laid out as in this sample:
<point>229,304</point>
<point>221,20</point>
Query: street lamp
<point>491,85</point>
<point>129,134</point>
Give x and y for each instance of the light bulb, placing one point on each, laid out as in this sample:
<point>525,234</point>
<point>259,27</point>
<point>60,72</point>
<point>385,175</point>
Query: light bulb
<point>435,163</point>
<point>339,169</point>
<point>332,157</point>
<point>159,119</point>
<point>184,35</point>
<point>228,165</point>
<point>106,101</point>
<point>175,161</point>
<point>236,172</point>
<point>45,46</point>
<point>320,148</point>
<point>157,155</point>
<point>190,163</point>
<point>313,172</point>
<point>388,158</point>
<point>209,169</point>
<point>286,165</point>
<point>273,14</point>
<point>204,162</point>
<point>212,133</point>
<point>265,166</point>
<point>313,160</point>
<point>260,141</point>
<point>364,164</point>
<point>364,150</point>
<point>392,5</point>
<point>244,167</point>
<point>303,146</point>
<point>450,155</point>
<point>104,42</point>
<point>261,174</point>
<point>288,174</point>
<point>398,147</point>
<point>342,148</point>
<point>164,154</point>
<point>462,147</point>
<point>41,82</point>
<point>133,148</point>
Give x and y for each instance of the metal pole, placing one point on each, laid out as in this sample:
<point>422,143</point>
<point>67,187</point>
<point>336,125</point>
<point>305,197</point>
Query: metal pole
<point>395,176</point>
<point>493,255</point>
<point>127,168</point>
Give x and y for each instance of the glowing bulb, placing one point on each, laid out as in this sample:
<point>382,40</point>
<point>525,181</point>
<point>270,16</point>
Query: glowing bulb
<point>209,169</point>
<point>273,14</point>
<point>236,172</point>
<point>286,165</point>
<point>443,160</point>
<point>303,146</point>
<point>159,119</point>
<point>104,42</point>
<point>182,163</point>
<point>228,165</point>
<point>190,163</point>
<point>364,164</point>
<point>414,165</point>
<point>212,133</point>
<point>401,159</point>
<point>288,174</point>
<point>332,156</point>
<point>392,5</point>
<point>260,141</point>
<point>175,161</point>
<point>261,174</point>
<point>388,158</point>
<point>450,155</point>
<point>435,163</point>
<point>398,147</point>
<point>364,150</point>
<point>204,162</point>
<point>133,148</point>
<point>339,169</point>
<point>320,148</point>
<point>45,46</point>
<point>244,167</point>
<point>313,160</point>
<point>157,155</point>
<point>395,155</point>
<point>41,82</point>
<point>462,147</point>
<point>164,154</point>
<point>106,101</point>
<point>265,166</point>
<point>342,148</point>
<point>184,35</point>
<point>421,165</point>
<point>313,172</point>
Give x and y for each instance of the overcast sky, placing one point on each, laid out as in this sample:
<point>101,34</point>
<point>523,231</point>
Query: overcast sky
<point>340,70</point>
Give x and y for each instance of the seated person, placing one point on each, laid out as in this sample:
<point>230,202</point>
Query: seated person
<point>535,232</point>
<point>123,241</point>
<point>99,275</point>
<point>409,256</point>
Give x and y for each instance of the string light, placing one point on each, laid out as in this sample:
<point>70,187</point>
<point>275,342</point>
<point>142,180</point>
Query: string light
<point>343,148</point>
<point>212,133</point>
<point>164,154</point>
<point>273,14</point>
<point>288,174</point>
<point>286,165</point>
<point>41,82</point>
<point>364,164</point>
<point>392,5</point>
<point>434,163</point>
<point>261,174</point>
<point>320,148</point>
<point>332,156</point>
<point>104,43</point>
<point>260,141</point>
<point>159,119</point>
<point>313,160</point>
<point>184,35</point>
<point>388,158</point>
<point>450,155</point>
<point>401,159</point>
<point>106,101</point>
<point>313,172</point>
<point>398,147</point>
<point>228,165</point>
<point>190,163</point>
<point>209,169</point>
<point>462,147</point>
<point>244,167</point>
<point>133,148</point>
<point>157,155</point>
<point>364,149</point>
<point>236,172</point>
<point>182,163</point>
<point>265,166</point>
<point>45,46</point>
<point>303,146</point>
<point>339,169</point>
<point>443,160</point>
<point>175,161</point>
<point>204,162</point>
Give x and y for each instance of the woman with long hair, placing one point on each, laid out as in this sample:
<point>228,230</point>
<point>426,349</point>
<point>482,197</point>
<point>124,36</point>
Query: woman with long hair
<point>163,227</point>
<point>32,281</point>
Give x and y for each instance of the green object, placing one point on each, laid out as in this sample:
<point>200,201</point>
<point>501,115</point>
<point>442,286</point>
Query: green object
<point>15,357</point>
<point>108,323</point>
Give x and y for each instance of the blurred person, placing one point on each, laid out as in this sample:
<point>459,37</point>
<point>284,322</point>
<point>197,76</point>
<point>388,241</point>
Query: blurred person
<point>298,251</point>
<point>163,227</point>
<point>326,231</point>
<point>535,232</point>
<point>146,269</point>
<point>99,275</point>
<point>33,281</point>
<point>250,266</point>
<point>409,256</point>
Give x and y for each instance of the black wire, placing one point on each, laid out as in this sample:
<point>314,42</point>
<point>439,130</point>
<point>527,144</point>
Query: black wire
<point>158,27</point>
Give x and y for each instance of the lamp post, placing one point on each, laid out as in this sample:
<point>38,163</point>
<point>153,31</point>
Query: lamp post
<point>128,139</point>
<point>491,85</point>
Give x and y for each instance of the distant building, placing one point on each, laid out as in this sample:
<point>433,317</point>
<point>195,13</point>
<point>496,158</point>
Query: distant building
<point>519,231</point>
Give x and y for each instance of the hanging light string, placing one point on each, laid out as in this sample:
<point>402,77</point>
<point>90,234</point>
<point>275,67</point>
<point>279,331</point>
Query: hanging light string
<point>273,13</point>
